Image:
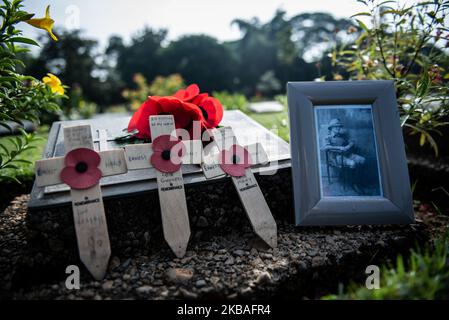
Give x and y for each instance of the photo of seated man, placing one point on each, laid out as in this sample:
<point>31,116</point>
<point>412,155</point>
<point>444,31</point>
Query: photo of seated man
<point>346,141</point>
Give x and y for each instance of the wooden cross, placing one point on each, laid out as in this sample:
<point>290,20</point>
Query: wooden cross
<point>87,203</point>
<point>247,187</point>
<point>175,219</point>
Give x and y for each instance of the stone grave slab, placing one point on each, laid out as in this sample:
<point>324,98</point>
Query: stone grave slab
<point>141,181</point>
<point>266,107</point>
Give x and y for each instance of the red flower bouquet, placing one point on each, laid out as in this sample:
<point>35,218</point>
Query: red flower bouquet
<point>186,106</point>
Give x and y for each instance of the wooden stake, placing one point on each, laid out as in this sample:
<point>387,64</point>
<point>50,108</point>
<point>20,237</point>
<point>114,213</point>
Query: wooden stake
<point>87,204</point>
<point>249,192</point>
<point>175,218</point>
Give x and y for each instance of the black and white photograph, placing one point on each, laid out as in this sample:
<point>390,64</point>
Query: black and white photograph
<point>348,159</point>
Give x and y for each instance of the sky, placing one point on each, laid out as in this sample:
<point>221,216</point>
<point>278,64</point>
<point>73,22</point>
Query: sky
<point>102,18</point>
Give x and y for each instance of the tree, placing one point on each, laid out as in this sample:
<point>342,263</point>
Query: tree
<point>142,56</point>
<point>203,60</point>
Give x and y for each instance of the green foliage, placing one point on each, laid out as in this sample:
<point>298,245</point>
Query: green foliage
<point>231,101</point>
<point>424,275</point>
<point>273,53</point>
<point>21,97</point>
<point>405,44</point>
<point>202,60</point>
<point>17,155</point>
<point>77,107</point>
<point>142,55</point>
<point>78,62</point>
<point>161,86</point>
<point>277,122</point>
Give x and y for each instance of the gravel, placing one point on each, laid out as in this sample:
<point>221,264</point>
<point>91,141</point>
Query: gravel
<point>230,264</point>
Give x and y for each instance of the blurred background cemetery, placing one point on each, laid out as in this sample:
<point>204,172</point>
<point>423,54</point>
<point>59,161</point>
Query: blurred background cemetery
<point>108,73</point>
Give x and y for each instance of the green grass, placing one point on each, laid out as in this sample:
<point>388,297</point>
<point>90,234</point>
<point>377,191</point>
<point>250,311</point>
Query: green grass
<point>26,171</point>
<point>424,275</point>
<point>276,121</point>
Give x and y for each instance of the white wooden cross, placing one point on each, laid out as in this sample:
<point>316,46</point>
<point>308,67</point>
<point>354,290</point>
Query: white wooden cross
<point>175,219</point>
<point>247,187</point>
<point>87,204</point>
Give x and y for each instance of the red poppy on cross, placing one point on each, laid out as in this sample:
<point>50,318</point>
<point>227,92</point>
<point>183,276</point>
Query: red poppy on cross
<point>81,168</point>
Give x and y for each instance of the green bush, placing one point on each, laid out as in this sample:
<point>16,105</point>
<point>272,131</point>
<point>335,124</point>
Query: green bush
<point>160,86</point>
<point>21,97</point>
<point>231,101</point>
<point>406,44</point>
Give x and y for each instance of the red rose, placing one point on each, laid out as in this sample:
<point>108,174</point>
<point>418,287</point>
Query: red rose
<point>183,112</point>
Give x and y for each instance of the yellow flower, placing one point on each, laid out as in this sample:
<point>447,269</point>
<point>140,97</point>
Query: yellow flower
<point>44,23</point>
<point>54,83</point>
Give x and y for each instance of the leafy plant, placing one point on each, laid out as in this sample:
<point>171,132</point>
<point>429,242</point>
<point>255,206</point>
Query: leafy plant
<point>21,97</point>
<point>160,86</point>
<point>424,275</point>
<point>231,101</point>
<point>11,151</point>
<point>404,43</point>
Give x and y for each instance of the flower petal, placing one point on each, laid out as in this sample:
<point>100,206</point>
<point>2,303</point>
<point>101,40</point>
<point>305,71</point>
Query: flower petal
<point>77,180</point>
<point>163,165</point>
<point>164,142</point>
<point>199,98</point>
<point>233,169</point>
<point>177,151</point>
<point>187,94</point>
<point>227,160</point>
<point>212,112</point>
<point>183,112</point>
<point>140,119</point>
<point>90,157</point>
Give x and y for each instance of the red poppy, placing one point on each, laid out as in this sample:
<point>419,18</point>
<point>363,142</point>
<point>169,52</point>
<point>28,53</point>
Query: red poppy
<point>199,98</point>
<point>183,112</point>
<point>188,94</point>
<point>211,108</point>
<point>167,153</point>
<point>186,105</point>
<point>81,168</point>
<point>212,112</point>
<point>140,119</point>
<point>235,160</point>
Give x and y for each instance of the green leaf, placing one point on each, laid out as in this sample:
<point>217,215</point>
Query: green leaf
<point>5,150</point>
<point>362,25</point>
<point>10,166</point>
<point>24,40</point>
<point>361,14</point>
<point>422,139</point>
<point>422,86</point>
<point>23,161</point>
<point>398,12</point>
<point>3,124</point>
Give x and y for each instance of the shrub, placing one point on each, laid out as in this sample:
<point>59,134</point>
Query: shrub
<point>160,86</point>
<point>406,44</point>
<point>21,97</point>
<point>231,101</point>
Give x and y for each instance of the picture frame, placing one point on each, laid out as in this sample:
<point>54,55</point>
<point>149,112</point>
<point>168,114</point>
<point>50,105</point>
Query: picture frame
<point>341,134</point>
